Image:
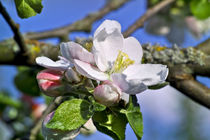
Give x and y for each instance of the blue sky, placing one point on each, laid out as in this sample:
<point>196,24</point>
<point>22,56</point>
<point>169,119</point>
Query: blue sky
<point>161,109</point>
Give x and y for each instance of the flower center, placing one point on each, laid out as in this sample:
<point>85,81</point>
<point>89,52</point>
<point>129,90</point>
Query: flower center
<point>121,63</point>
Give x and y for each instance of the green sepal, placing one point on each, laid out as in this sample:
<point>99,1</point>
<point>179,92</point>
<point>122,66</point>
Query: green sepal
<point>158,86</point>
<point>71,115</point>
<point>98,107</point>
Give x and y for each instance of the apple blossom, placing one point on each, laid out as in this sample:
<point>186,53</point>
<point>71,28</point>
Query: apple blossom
<point>112,58</point>
<point>117,59</point>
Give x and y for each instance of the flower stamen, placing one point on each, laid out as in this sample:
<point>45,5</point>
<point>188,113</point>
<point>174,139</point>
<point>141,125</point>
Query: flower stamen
<point>121,63</point>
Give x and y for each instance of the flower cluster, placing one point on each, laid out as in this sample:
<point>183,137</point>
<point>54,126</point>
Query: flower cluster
<point>113,61</point>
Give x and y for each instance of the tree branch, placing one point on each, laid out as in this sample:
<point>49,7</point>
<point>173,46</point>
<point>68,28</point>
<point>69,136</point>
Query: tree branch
<point>34,49</point>
<point>84,24</point>
<point>150,12</point>
<point>17,35</point>
<point>202,70</point>
<point>35,130</point>
<point>181,78</point>
<point>204,46</point>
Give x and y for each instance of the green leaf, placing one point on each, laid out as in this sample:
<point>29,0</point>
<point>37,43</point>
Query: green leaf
<point>159,86</point>
<point>98,107</point>
<point>26,82</point>
<point>28,8</point>
<point>200,8</point>
<point>111,123</point>
<point>134,117</point>
<point>71,115</point>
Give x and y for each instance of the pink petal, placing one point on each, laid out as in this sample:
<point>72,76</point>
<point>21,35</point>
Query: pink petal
<point>49,74</point>
<point>45,85</point>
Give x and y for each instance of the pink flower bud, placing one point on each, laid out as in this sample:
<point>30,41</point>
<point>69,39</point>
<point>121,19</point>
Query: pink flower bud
<point>54,134</point>
<point>50,82</point>
<point>107,94</point>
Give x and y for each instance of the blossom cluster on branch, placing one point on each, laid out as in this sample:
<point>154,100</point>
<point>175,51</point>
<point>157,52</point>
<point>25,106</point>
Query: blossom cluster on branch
<point>111,64</point>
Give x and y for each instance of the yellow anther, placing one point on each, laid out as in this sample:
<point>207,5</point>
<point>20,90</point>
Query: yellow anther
<point>121,63</point>
<point>36,49</point>
<point>88,46</point>
<point>159,48</point>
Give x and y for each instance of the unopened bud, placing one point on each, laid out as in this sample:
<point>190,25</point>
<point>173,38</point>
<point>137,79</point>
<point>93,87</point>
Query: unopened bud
<point>50,82</point>
<point>107,94</point>
<point>53,134</point>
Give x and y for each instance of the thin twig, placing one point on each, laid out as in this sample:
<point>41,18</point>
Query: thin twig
<point>84,24</point>
<point>150,12</point>
<point>35,130</point>
<point>17,35</point>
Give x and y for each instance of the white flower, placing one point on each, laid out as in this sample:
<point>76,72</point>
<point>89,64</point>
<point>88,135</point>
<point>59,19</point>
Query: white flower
<point>115,58</point>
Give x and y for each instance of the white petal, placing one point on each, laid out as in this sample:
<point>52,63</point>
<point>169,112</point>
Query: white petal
<point>133,86</point>
<point>149,74</point>
<point>48,63</point>
<point>133,49</point>
<point>108,26</point>
<point>64,49</point>
<point>89,71</point>
<point>100,60</point>
<point>125,97</point>
<point>109,45</point>
<point>72,50</point>
<point>72,76</point>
